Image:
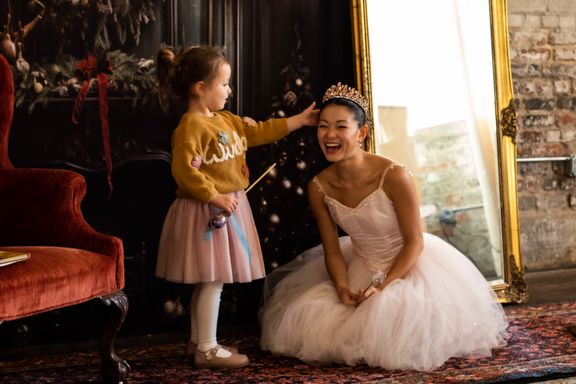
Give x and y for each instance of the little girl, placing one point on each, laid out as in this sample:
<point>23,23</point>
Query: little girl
<point>209,166</point>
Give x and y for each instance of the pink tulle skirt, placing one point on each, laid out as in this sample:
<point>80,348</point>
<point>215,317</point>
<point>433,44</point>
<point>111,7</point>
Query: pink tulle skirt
<point>191,252</point>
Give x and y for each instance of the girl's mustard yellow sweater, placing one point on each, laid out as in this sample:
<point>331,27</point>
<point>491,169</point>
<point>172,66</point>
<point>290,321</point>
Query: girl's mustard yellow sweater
<point>209,153</point>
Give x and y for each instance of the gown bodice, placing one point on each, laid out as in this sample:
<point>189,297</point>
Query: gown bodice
<point>372,225</point>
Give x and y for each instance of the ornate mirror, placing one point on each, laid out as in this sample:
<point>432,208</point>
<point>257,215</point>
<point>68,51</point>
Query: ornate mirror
<point>438,75</point>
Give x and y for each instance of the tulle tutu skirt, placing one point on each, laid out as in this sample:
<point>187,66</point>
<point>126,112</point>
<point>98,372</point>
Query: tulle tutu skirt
<point>191,252</point>
<point>443,308</point>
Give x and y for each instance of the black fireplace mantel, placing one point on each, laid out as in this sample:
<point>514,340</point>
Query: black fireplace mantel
<point>47,135</point>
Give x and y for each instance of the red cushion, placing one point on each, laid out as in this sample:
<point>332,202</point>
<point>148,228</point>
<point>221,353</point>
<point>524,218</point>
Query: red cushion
<point>53,277</point>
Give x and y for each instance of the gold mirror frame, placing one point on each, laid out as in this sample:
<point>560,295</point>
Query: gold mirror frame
<point>511,288</point>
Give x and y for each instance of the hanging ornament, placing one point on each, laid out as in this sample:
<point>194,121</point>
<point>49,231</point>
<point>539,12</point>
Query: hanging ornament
<point>12,42</point>
<point>7,47</point>
<point>38,87</point>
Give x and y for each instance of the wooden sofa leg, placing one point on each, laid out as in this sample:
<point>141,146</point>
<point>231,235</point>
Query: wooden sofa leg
<point>113,369</point>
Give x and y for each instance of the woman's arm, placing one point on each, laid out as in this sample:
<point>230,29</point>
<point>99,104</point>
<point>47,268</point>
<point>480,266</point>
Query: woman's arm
<point>401,190</point>
<point>337,268</point>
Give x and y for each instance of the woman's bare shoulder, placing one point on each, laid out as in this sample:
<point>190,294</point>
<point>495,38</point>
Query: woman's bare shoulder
<point>380,163</point>
<point>325,175</point>
<point>382,160</point>
<point>398,179</point>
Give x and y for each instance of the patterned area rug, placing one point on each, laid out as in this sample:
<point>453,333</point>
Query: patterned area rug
<point>541,347</point>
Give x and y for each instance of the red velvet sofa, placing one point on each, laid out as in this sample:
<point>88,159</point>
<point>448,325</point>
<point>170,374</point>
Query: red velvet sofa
<point>70,263</point>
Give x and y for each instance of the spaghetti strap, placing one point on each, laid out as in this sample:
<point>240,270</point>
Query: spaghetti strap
<point>389,167</point>
<point>319,185</point>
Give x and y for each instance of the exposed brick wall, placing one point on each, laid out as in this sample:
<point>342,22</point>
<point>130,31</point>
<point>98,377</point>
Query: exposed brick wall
<point>448,180</point>
<point>543,60</point>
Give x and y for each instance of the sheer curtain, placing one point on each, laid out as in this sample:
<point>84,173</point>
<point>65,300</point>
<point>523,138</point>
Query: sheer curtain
<point>473,26</point>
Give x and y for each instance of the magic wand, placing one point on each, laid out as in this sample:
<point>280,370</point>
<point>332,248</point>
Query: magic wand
<point>220,219</point>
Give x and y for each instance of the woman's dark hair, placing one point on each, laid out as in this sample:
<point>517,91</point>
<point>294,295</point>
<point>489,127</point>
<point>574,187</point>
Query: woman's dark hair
<point>176,72</point>
<point>359,114</point>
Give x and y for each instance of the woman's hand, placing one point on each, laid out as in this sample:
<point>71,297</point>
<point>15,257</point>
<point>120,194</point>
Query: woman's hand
<point>347,297</point>
<point>226,202</point>
<point>371,290</point>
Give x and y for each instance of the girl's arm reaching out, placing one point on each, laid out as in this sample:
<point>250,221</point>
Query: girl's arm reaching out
<point>308,117</point>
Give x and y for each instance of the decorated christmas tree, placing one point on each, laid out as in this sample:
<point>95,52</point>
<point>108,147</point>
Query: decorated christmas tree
<point>279,202</point>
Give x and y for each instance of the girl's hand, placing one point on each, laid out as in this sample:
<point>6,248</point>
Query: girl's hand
<point>226,202</point>
<point>308,117</point>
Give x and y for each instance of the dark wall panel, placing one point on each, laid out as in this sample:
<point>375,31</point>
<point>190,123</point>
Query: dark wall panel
<point>292,39</point>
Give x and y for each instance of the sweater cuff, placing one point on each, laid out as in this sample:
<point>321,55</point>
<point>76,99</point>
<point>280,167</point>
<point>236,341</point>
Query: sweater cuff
<point>207,196</point>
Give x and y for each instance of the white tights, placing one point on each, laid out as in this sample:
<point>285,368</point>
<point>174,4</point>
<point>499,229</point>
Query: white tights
<point>204,308</point>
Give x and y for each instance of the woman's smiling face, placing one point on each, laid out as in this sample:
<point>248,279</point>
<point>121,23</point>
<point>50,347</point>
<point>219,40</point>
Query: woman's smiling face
<point>338,132</point>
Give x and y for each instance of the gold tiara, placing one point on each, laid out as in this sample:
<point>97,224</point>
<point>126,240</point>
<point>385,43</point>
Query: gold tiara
<point>342,91</point>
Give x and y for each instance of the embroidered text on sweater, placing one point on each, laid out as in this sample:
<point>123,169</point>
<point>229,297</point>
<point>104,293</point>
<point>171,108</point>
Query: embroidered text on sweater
<point>236,148</point>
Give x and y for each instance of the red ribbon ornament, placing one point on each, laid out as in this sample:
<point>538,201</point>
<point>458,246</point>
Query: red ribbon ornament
<point>89,70</point>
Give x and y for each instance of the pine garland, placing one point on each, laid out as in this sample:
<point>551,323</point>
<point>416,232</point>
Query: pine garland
<point>130,77</point>
<point>99,25</point>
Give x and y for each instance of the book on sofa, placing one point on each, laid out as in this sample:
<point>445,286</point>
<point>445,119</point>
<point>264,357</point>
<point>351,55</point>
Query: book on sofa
<point>10,257</point>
